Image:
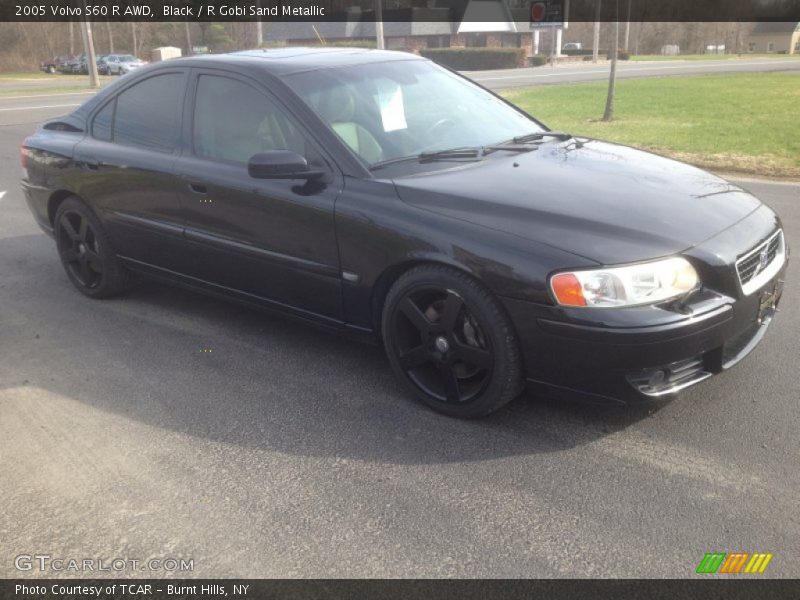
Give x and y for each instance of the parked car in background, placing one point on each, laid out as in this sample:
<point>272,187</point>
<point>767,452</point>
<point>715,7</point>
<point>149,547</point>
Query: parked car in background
<point>72,65</point>
<point>102,66</point>
<point>55,65</point>
<point>119,64</point>
<point>572,46</point>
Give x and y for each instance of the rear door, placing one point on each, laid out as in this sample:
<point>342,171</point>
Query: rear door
<point>271,239</point>
<point>129,160</point>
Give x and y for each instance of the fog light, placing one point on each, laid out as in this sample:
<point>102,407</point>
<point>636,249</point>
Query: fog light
<point>657,378</point>
<point>671,378</point>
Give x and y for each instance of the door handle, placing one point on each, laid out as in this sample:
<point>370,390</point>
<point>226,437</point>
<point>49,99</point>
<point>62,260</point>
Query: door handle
<point>198,188</point>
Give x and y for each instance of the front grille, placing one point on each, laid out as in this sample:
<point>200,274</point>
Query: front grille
<point>752,263</point>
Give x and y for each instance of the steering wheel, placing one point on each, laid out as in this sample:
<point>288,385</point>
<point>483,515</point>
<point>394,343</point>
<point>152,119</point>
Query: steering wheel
<point>443,124</point>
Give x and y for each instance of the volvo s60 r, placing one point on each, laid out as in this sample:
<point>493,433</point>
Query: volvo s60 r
<point>380,195</point>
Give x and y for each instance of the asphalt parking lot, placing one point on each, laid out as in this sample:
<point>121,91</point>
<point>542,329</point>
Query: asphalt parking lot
<point>167,424</point>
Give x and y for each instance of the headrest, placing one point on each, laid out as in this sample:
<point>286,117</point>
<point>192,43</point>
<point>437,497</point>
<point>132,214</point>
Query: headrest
<point>337,105</point>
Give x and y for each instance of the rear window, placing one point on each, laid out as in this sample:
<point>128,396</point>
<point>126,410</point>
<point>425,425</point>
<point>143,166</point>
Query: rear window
<point>148,114</point>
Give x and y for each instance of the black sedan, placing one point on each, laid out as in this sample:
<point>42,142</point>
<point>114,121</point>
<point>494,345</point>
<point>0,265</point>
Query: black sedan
<point>382,196</point>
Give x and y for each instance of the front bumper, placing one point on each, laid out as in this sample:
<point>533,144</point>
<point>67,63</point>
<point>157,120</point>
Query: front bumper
<point>629,355</point>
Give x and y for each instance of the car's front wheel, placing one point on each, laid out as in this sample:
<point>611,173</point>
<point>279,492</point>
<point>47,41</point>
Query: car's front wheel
<point>86,252</point>
<point>449,340</point>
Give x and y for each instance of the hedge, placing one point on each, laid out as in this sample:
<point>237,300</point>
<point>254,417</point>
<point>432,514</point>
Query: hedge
<point>621,54</point>
<point>352,43</point>
<point>349,43</point>
<point>476,59</point>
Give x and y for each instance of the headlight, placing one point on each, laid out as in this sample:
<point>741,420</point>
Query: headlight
<point>644,283</point>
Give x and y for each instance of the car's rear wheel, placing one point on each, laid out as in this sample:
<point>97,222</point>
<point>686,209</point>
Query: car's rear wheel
<point>86,251</point>
<point>450,342</point>
<point>51,69</point>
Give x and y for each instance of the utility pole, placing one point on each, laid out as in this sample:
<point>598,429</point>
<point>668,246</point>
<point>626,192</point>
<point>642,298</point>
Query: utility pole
<point>133,35</point>
<point>381,42</point>
<point>596,40</point>
<point>189,37</point>
<point>71,39</point>
<point>608,115</point>
<point>88,50</point>
<point>259,28</point>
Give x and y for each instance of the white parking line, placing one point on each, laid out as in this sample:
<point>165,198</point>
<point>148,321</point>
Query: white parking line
<point>47,95</point>
<point>35,107</point>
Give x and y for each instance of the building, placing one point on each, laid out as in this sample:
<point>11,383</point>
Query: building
<point>484,23</point>
<point>780,38</point>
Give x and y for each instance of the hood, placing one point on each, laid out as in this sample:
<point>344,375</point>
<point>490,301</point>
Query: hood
<point>609,203</point>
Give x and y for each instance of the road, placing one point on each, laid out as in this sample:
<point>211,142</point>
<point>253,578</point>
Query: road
<point>585,72</point>
<point>167,424</point>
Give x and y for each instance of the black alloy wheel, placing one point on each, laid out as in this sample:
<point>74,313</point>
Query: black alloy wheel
<point>86,252</point>
<point>450,341</point>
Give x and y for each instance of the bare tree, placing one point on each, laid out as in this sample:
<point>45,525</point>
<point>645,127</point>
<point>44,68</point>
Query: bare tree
<point>596,38</point>
<point>628,28</point>
<point>110,37</point>
<point>608,115</point>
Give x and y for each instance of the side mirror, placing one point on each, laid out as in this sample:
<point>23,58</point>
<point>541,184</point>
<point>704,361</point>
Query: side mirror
<point>281,164</point>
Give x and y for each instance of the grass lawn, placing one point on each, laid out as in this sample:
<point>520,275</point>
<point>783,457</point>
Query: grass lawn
<point>28,75</point>
<point>710,56</point>
<point>739,123</point>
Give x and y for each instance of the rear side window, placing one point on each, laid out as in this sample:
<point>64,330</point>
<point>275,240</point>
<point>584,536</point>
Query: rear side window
<point>148,114</point>
<point>101,126</point>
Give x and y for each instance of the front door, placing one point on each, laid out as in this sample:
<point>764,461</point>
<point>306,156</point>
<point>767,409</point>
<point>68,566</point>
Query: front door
<point>271,239</point>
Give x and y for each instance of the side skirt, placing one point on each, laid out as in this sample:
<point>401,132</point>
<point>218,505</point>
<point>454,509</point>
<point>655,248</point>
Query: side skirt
<point>208,288</point>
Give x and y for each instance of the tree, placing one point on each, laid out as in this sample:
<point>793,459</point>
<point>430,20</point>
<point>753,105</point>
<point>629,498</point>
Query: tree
<point>110,37</point>
<point>608,114</point>
<point>596,37</point>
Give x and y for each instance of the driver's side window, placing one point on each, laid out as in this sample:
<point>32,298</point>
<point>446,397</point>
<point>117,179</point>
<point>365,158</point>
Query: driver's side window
<point>233,121</point>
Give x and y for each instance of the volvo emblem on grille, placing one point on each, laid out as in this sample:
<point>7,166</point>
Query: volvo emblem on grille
<point>763,259</point>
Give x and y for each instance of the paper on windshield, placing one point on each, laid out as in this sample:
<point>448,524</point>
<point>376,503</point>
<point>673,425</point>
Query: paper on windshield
<point>390,102</point>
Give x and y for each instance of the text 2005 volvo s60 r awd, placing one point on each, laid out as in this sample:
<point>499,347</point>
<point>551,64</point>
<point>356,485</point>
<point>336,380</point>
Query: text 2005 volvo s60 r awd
<point>379,194</point>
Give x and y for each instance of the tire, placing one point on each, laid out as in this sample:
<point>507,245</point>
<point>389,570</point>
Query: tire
<point>86,252</point>
<point>51,69</point>
<point>451,343</point>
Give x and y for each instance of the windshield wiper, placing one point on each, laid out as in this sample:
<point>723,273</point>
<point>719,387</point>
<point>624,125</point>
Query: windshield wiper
<point>532,137</point>
<point>452,153</point>
<point>509,147</point>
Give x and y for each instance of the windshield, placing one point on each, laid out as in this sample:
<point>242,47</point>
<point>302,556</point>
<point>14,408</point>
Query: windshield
<point>390,110</point>
<point>127,58</point>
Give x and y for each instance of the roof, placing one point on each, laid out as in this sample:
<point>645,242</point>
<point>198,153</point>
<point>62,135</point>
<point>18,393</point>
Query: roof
<point>776,27</point>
